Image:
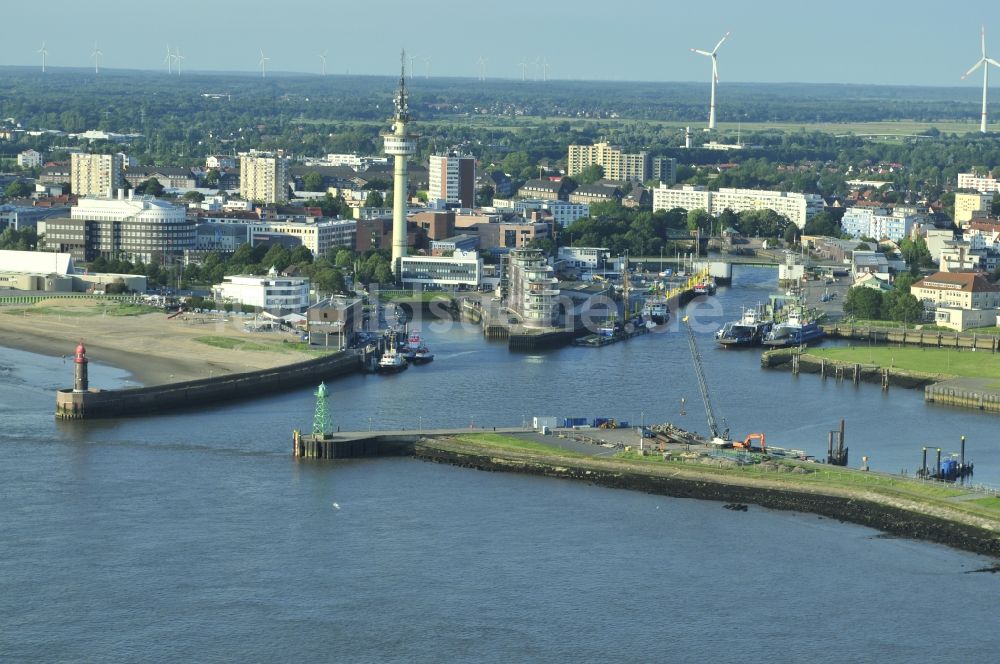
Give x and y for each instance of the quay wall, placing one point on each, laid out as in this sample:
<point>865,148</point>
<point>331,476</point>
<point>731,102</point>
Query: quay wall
<point>852,509</point>
<point>866,373</point>
<point>72,405</point>
<point>929,338</point>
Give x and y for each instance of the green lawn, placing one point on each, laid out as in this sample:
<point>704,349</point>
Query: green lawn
<point>110,309</point>
<point>235,343</point>
<point>512,443</point>
<point>938,361</point>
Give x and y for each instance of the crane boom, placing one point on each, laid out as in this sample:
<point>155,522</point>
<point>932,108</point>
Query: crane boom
<point>713,427</point>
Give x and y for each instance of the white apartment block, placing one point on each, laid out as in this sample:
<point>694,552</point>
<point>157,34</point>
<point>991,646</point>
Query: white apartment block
<point>264,178</point>
<point>984,185</point>
<point>29,159</point>
<point>95,174</point>
<point>617,165</point>
<point>799,208</point>
<point>967,205</point>
<point>272,293</point>
<point>687,197</point>
<point>586,258</point>
<point>878,223</point>
<point>452,178</point>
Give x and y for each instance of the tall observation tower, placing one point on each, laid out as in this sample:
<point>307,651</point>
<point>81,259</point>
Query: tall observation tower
<point>401,144</point>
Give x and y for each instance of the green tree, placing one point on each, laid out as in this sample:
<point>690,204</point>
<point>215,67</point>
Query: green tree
<point>484,195</point>
<point>864,303</point>
<point>212,177</point>
<point>301,255</point>
<point>383,273</point>
<point>194,196</point>
<point>312,181</point>
<point>344,259</point>
<point>823,223</point>
<point>590,174</point>
<point>903,307</point>
<point>17,189</point>
<point>374,199</point>
<point>916,253</point>
<point>277,257</point>
<point>699,219</point>
<point>151,187</point>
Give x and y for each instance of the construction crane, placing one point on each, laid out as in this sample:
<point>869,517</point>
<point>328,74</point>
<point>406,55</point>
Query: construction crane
<point>713,427</point>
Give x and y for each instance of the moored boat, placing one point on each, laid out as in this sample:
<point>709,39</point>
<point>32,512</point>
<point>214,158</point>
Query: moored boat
<point>656,310</point>
<point>391,362</point>
<point>794,331</point>
<point>749,330</point>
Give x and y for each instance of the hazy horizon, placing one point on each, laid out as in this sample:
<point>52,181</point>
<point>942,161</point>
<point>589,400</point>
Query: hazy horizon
<point>773,42</point>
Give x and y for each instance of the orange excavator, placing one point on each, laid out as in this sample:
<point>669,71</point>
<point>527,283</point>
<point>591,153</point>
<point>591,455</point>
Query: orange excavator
<point>748,443</point>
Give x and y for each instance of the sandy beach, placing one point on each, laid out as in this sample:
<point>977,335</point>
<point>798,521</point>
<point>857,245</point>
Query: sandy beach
<point>153,348</point>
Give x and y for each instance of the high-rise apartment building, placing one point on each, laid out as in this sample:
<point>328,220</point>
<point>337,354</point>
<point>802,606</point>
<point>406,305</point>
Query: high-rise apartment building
<point>799,208</point>
<point>264,177</point>
<point>452,179</point>
<point>95,174</point>
<point>617,165</point>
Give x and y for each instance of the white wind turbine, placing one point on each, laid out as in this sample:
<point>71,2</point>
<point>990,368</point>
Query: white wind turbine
<point>263,63</point>
<point>96,55</point>
<point>322,56</point>
<point>169,60</point>
<point>715,76</point>
<point>44,53</point>
<point>985,63</point>
<point>412,58</point>
<point>524,69</point>
<point>545,69</point>
<point>177,58</point>
<point>427,66</point>
<point>482,68</point>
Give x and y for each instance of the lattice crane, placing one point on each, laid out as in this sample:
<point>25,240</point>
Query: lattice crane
<point>713,427</point>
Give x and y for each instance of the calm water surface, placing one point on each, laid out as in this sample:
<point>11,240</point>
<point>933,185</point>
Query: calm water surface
<point>197,537</point>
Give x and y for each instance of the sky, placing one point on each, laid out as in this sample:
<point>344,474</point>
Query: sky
<point>916,42</point>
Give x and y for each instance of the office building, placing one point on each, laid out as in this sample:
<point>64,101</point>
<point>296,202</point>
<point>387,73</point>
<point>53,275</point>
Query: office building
<point>273,293</point>
<point>461,269</point>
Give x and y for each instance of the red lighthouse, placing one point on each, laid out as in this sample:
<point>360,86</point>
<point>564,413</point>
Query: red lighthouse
<point>80,369</point>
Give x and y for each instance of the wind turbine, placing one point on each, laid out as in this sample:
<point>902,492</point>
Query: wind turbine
<point>263,63</point>
<point>427,66</point>
<point>44,53</point>
<point>169,60</point>
<point>413,71</point>
<point>985,63</point>
<point>545,69</point>
<point>715,76</point>
<point>524,68</point>
<point>322,56</point>
<point>96,55</point>
<point>482,68</point>
<point>178,57</point>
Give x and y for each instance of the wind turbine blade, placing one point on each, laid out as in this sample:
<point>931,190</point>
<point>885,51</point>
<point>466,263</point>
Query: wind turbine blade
<point>700,52</point>
<point>993,62</point>
<point>982,35</point>
<point>973,68</point>
<point>724,38</point>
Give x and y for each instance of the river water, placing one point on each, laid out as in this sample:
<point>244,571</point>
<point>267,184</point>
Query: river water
<point>197,538</point>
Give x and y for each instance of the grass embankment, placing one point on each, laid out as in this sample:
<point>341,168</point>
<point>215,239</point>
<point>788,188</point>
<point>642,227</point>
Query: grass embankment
<point>236,343</point>
<point>82,310</point>
<point>940,499</point>
<point>940,362</point>
<point>408,296</point>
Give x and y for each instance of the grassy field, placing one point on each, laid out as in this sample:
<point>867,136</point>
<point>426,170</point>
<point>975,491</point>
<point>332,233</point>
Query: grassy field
<point>234,343</point>
<point>83,310</point>
<point>512,443</point>
<point>943,362</point>
<point>497,123</point>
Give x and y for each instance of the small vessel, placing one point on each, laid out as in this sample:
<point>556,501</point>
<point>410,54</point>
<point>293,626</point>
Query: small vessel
<point>795,330</point>
<point>423,355</point>
<point>706,287</point>
<point>749,330</point>
<point>391,361</point>
<point>656,310</point>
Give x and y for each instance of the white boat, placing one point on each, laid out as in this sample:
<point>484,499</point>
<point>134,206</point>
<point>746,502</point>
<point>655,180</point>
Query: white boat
<point>656,310</point>
<point>391,362</point>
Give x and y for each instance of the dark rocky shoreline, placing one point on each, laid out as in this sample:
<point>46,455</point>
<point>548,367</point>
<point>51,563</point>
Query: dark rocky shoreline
<point>886,518</point>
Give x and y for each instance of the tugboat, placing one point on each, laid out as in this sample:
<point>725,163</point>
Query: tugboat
<point>423,355</point>
<point>749,330</point>
<point>391,362</point>
<point>656,310</point>
<point>706,287</point>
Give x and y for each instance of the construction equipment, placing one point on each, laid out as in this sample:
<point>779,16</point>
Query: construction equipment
<point>713,428</point>
<point>748,443</point>
<point>609,424</point>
